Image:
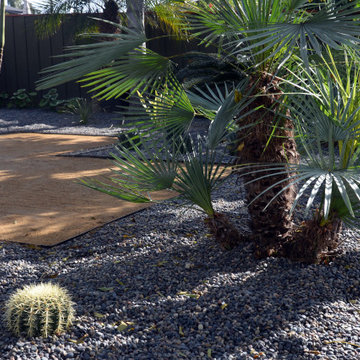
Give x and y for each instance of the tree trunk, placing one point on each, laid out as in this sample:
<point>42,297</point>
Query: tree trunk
<point>135,13</point>
<point>110,13</point>
<point>312,241</point>
<point>2,30</point>
<point>223,231</point>
<point>272,226</point>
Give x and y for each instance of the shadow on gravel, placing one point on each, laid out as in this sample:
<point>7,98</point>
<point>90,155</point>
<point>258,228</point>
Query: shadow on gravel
<point>185,296</point>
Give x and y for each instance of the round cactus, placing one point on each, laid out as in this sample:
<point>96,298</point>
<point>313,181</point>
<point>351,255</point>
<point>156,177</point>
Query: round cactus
<point>39,310</point>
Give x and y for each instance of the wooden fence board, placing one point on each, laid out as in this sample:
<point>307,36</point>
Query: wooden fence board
<point>33,51</point>
<point>26,54</point>
<point>10,61</point>
<point>21,53</point>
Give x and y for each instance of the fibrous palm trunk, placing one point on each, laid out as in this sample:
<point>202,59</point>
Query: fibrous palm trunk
<point>314,240</point>
<point>272,227</point>
<point>223,231</point>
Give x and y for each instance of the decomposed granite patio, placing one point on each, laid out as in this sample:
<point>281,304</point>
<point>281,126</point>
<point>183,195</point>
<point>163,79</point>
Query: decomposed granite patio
<point>41,200</point>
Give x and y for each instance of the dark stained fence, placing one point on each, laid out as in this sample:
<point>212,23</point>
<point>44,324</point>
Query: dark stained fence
<point>25,54</point>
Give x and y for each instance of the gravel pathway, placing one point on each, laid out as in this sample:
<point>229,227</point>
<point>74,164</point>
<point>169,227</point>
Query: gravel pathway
<point>153,285</point>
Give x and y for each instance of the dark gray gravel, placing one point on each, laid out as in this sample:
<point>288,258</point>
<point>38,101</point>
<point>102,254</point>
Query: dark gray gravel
<point>184,298</point>
<point>50,122</point>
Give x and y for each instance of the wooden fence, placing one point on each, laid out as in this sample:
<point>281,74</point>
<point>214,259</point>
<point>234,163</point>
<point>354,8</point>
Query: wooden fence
<point>25,54</point>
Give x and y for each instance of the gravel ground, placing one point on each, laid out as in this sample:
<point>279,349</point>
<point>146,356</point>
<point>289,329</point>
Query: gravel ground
<point>50,122</point>
<point>184,298</point>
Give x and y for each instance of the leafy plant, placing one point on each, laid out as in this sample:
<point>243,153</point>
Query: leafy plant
<point>265,36</point>
<point>81,107</point>
<point>39,310</point>
<point>50,100</point>
<point>334,84</point>
<point>136,176</point>
<point>190,167</point>
<point>22,99</point>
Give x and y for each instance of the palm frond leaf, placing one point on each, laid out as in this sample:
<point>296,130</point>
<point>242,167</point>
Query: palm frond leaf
<point>110,67</point>
<point>199,175</point>
<point>236,104</point>
<point>270,31</point>
<point>220,104</point>
<point>165,111</point>
<point>138,172</point>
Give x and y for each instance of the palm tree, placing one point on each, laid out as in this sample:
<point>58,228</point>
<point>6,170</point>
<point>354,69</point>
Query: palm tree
<point>265,35</point>
<point>193,172</point>
<point>328,129</point>
<point>328,123</point>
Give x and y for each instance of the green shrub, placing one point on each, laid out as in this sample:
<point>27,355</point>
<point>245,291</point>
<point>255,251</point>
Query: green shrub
<point>21,98</point>
<point>39,310</point>
<point>50,100</point>
<point>79,106</point>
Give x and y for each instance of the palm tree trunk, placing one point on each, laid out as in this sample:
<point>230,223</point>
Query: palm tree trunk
<point>314,240</point>
<point>223,231</point>
<point>2,30</point>
<point>274,233</point>
<point>272,226</point>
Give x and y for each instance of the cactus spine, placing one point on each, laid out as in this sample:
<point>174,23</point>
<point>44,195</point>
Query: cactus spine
<point>39,310</point>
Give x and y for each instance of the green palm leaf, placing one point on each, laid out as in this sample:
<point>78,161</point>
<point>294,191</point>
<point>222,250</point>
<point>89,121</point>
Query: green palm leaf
<point>200,174</point>
<point>221,105</point>
<point>110,67</point>
<point>237,104</point>
<point>140,70</point>
<point>138,172</point>
<point>268,32</point>
<point>141,171</point>
<point>166,110</point>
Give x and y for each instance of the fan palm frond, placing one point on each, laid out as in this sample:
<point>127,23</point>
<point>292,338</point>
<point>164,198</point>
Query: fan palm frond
<point>138,172</point>
<point>268,32</point>
<point>334,84</point>
<point>200,174</point>
<point>221,105</point>
<point>165,110</point>
<point>110,67</point>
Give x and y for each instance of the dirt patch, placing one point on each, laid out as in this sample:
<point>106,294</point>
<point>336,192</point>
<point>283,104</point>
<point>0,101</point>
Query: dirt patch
<point>41,201</point>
